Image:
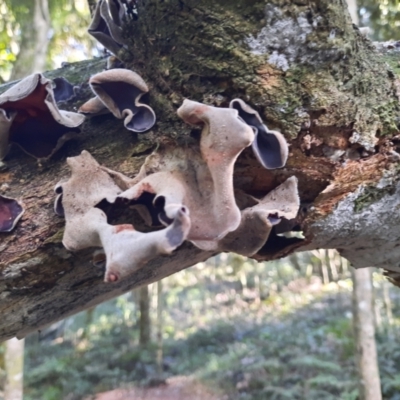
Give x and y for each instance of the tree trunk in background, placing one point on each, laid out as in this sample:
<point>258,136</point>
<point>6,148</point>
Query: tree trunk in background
<point>144,322</point>
<point>160,327</point>
<point>2,366</point>
<point>364,328</point>
<point>353,9</point>
<point>14,365</point>
<point>88,322</point>
<point>34,41</point>
<point>388,304</point>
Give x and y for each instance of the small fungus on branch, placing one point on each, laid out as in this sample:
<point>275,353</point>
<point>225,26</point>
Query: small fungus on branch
<point>125,248</point>
<point>63,90</point>
<point>10,213</point>
<point>270,147</point>
<point>30,118</point>
<point>120,90</point>
<point>258,221</point>
<point>106,25</point>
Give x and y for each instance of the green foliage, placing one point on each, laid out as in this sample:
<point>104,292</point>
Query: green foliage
<point>382,16</point>
<point>69,38</point>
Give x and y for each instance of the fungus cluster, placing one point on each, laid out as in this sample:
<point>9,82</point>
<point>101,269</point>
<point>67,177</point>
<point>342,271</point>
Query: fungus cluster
<point>181,193</point>
<point>186,194</point>
<point>30,118</point>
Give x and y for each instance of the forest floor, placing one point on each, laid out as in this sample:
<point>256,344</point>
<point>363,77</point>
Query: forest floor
<point>291,340</point>
<point>175,388</point>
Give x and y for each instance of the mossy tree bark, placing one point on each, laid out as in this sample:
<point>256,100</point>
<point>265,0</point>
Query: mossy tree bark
<point>301,64</point>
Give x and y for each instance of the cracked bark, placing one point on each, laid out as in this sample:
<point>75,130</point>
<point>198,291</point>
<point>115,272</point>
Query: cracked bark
<point>308,72</point>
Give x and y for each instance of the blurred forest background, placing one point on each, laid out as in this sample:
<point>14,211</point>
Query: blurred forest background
<point>240,329</point>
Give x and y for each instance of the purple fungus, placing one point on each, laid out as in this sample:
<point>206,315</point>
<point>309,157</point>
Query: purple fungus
<point>120,90</point>
<point>10,213</point>
<point>58,206</point>
<point>270,147</point>
<point>106,26</point>
<point>63,90</point>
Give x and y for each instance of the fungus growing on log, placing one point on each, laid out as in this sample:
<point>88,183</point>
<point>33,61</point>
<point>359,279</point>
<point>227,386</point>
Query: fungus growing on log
<point>120,91</point>
<point>200,179</point>
<point>58,207</point>
<point>10,213</point>
<point>125,248</point>
<point>270,147</point>
<point>93,107</point>
<point>258,221</point>
<point>63,90</point>
<point>172,182</point>
<point>106,25</point>
<point>30,118</point>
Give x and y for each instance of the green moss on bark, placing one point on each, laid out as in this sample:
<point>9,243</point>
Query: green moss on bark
<point>205,50</point>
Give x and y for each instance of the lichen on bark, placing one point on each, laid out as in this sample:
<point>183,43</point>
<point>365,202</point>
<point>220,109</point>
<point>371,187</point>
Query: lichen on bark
<point>213,50</point>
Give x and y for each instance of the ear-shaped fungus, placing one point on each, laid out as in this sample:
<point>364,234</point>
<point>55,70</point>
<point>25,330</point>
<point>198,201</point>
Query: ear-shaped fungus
<point>29,117</point>
<point>120,91</point>
<point>200,181</point>
<point>58,207</point>
<point>63,90</point>
<point>93,107</point>
<point>270,147</point>
<point>106,25</point>
<point>10,213</point>
<point>86,226</point>
<point>258,221</point>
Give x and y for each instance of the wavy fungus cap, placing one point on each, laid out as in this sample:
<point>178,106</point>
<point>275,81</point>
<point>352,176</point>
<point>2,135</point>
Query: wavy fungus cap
<point>270,147</point>
<point>106,25</point>
<point>10,213</point>
<point>125,249</point>
<point>120,90</point>
<point>30,118</point>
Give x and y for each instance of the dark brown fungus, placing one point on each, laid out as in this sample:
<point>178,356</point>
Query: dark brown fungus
<point>270,147</point>
<point>10,213</point>
<point>120,91</point>
<point>37,125</point>
<point>106,26</point>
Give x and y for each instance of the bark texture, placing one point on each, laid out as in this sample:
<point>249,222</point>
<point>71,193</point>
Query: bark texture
<point>309,73</point>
